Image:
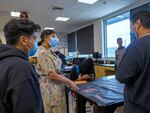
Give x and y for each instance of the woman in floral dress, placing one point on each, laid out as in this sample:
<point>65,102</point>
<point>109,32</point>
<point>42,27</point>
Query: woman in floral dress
<point>51,83</point>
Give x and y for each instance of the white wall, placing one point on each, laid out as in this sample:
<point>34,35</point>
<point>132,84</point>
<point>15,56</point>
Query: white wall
<point>63,46</point>
<point>2,37</point>
<point>98,36</point>
<point>62,40</point>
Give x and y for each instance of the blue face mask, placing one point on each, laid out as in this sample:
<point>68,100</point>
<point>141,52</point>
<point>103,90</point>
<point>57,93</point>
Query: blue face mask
<point>133,35</point>
<point>34,49</point>
<point>53,42</point>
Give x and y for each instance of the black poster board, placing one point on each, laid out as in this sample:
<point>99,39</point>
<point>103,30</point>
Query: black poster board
<point>71,42</point>
<point>85,40</point>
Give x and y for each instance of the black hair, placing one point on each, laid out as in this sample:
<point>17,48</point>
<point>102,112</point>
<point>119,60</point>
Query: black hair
<point>143,16</point>
<point>17,27</point>
<point>84,67</point>
<point>24,12</point>
<point>77,61</point>
<point>44,33</point>
<point>87,67</point>
<point>119,39</point>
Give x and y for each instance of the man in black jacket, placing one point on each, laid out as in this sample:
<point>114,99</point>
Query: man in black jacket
<point>134,69</point>
<point>19,86</point>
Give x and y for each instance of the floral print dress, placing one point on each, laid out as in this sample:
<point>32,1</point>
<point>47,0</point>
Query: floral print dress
<point>53,93</point>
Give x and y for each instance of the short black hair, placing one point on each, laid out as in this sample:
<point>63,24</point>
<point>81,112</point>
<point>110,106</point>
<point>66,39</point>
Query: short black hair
<point>119,39</point>
<point>17,27</point>
<point>143,16</point>
<point>44,33</point>
<point>24,13</point>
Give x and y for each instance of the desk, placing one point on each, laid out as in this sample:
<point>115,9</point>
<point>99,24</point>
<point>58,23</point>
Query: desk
<point>105,93</point>
<point>104,69</point>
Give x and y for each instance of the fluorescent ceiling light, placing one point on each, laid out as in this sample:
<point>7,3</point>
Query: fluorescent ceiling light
<point>62,19</point>
<point>51,28</point>
<point>88,1</point>
<point>15,14</point>
<point>120,16</point>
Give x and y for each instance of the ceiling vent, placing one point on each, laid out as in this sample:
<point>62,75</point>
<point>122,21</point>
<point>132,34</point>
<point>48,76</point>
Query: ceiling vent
<point>57,8</point>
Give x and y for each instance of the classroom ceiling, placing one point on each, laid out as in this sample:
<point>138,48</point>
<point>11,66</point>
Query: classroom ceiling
<point>44,13</point>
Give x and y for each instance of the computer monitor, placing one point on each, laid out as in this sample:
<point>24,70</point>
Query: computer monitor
<point>97,55</point>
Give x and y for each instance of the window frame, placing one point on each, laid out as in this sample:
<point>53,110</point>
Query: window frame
<point>105,52</point>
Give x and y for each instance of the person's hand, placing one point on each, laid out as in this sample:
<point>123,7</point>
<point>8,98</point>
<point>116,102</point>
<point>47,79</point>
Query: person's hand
<point>85,77</point>
<point>73,86</point>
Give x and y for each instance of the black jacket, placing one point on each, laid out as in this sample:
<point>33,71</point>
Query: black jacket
<point>19,86</point>
<point>134,71</point>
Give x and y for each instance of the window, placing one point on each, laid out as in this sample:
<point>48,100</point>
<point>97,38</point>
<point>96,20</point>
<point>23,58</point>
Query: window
<point>118,26</point>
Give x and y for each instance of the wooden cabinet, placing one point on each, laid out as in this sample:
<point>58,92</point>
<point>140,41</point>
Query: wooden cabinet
<point>104,70</point>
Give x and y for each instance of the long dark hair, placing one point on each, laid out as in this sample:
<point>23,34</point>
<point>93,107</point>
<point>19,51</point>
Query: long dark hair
<point>84,67</point>
<point>87,67</point>
<point>45,33</point>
